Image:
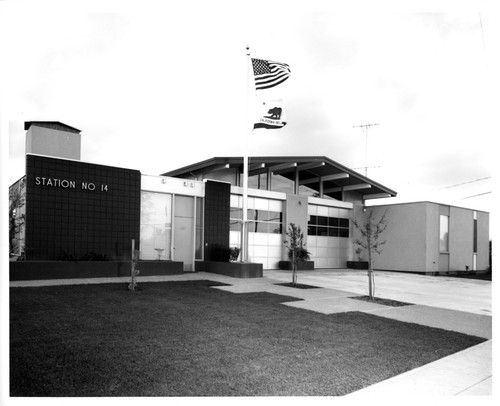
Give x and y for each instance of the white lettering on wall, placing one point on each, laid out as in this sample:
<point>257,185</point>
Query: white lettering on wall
<point>55,182</point>
<point>67,184</point>
<point>88,185</point>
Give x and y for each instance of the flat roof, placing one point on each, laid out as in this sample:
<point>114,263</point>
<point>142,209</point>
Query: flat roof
<point>311,169</point>
<point>427,202</point>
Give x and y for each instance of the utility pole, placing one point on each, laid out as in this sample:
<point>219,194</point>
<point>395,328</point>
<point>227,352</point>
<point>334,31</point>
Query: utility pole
<point>365,128</point>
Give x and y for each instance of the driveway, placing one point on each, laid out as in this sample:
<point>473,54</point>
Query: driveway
<point>466,295</point>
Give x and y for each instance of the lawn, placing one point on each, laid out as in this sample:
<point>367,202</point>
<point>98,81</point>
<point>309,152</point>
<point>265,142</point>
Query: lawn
<point>188,339</point>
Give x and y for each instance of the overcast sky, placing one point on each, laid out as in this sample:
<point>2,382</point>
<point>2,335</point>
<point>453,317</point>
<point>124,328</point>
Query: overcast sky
<point>159,87</point>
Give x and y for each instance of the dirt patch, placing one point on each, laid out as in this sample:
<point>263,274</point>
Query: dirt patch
<point>382,301</point>
<point>297,285</point>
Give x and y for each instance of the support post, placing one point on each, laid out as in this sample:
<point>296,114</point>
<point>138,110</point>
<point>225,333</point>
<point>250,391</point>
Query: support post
<point>248,133</point>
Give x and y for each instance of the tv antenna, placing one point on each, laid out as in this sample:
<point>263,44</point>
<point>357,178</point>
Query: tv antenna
<point>365,128</point>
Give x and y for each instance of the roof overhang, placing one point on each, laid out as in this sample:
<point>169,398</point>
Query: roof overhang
<point>317,172</point>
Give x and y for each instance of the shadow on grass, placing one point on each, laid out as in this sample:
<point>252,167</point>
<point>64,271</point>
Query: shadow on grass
<point>187,339</point>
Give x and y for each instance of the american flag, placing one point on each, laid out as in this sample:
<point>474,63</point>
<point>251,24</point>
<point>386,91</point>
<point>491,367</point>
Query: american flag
<point>269,73</point>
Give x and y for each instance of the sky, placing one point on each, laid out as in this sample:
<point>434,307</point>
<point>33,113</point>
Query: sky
<point>162,85</point>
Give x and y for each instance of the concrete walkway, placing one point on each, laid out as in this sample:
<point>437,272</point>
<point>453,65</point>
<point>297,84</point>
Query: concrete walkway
<point>468,295</point>
<point>462,305</point>
<point>465,373</point>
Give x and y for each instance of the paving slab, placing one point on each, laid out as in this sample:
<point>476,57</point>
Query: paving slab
<point>482,388</point>
<point>303,294</point>
<point>452,320</point>
<point>466,373</point>
<point>188,276</point>
<point>241,288</point>
<point>468,295</point>
<point>331,305</point>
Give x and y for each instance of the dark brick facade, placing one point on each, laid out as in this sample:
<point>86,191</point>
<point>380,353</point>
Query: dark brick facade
<point>79,208</point>
<point>217,205</point>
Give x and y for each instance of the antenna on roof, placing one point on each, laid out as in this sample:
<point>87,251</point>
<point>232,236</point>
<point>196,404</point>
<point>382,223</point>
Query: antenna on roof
<point>364,167</point>
<point>365,128</point>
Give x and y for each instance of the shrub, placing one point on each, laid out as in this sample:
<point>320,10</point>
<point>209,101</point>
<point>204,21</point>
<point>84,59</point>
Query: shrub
<point>92,256</point>
<point>66,256</point>
<point>234,253</point>
<point>220,253</point>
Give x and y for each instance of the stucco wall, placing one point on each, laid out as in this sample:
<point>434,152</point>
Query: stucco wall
<point>405,249</point>
<point>295,212</point>
<point>354,197</point>
<point>431,225</point>
<point>461,238</point>
<point>413,238</point>
<point>227,175</point>
<point>51,142</point>
<point>483,238</point>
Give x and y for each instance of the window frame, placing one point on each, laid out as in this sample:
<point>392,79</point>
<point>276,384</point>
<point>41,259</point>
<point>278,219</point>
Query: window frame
<point>444,235</point>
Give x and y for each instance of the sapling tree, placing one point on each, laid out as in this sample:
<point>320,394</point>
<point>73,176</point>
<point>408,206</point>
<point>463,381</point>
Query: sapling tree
<point>133,271</point>
<point>297,251</point>
<point>369,239</point>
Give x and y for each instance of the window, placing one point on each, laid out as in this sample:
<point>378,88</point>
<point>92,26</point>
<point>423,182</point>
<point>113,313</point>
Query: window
<point>328,226</point>
<point>259,221</point>
<point>235,219</point>
<point>475,237</point>
<point>156,225</point>
<point>281,184</point>
<point>199,228</point>
<point>264,221</point>
<point>443,234</point>
<point>258,181</point>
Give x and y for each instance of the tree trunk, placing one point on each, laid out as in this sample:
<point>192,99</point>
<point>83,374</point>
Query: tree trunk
<point>370,270</point>
<point>294,268</point>
<point>370,283</point>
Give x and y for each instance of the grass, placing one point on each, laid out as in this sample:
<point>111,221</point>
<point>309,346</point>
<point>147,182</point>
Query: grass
<point>187,339</point>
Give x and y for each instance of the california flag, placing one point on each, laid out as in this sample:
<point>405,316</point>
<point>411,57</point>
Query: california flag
<point>270,114</point>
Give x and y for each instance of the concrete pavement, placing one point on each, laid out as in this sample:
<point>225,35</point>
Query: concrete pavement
<point>462,305</point>
<point>467,372</point>
<point>468,295</point>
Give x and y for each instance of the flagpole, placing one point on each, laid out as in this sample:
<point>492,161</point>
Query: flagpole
<point>244,224</point>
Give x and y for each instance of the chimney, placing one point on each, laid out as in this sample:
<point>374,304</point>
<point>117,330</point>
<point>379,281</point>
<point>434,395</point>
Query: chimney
<point>52,138</point>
